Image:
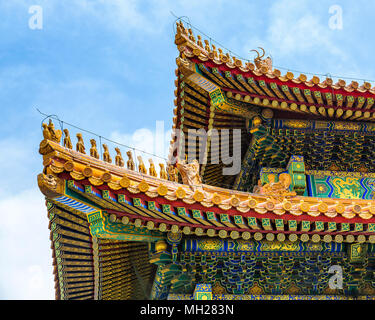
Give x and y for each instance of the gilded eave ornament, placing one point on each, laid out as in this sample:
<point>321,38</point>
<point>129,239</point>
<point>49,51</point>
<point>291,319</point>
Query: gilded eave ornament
<point>80,146</point>
<point>130,163</point>
<point>106,155</point>
<point>67,141</point>
<point>50,185</point>
<point>190,173</point>
<point>264,65</point>
<point>278,190</point>
<point>93,150</point>
<point>119,161</point>
<point>141,166</point>
<point>163,173</point>
<point>50,133</point>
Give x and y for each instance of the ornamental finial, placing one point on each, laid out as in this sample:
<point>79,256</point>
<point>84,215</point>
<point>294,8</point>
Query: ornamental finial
<point>152,170</point>
<point>207,46</point>
<point>67,141</point>
<point>278,190</point>
<point>80,146</point>
<point>130,163</point>
<point>49,132</point>
<point>199,41</point>
<point>191,36</point>
<point>183,29</point>
<point>119,161</point>
<point>106,155</point>
<point>189,173</point>
<point>172,173</point>
<point>46,133</point>
<point>264,65</point>
<point>141,165</point>
<point>214,50</point>
<point>163,173</point>
<point>93,150</point>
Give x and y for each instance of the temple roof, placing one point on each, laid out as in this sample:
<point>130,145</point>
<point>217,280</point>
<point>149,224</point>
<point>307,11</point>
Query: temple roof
<point>166,205</point>
<point>108,224</point>
<point>217,91</point>
<point>263,85</point>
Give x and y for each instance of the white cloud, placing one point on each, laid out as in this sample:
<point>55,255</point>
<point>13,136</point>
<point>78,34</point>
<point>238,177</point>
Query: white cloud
<point>292,31</point>
<point>26,270</point>
<point>16,158</point>
<point>154,142</point>
<point>125,15</point>
<point>295,32</point>
<point>119,15</point>
<point>302,35</point>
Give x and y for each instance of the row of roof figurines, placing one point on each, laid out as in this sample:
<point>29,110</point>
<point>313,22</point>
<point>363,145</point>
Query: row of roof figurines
<point>189,171</point>
<point>261,65</point>
<point>265,65</point>
<point>50,133</point>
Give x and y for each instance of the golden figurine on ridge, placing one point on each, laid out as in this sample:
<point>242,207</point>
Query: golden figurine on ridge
<point>172,173</point>
<point>189,173</point>
<point>278,189</point>
<point>55,134</point>
<point>152,170</point>
<point>49,132</point>
<point>141,165</point>
<point>119,161</point>
<point>67,141</point>
<point>265,65</point>
<point>163,173</point>
<point>106,155</point>
<point>130,163</point>
<point>80,146</point>
<point>93,150</point>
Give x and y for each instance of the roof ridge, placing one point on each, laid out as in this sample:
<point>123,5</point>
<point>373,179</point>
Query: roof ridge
<point>185,37</point>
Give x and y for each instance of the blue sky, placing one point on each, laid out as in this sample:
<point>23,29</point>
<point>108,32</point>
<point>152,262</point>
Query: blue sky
<point>108,66</point>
